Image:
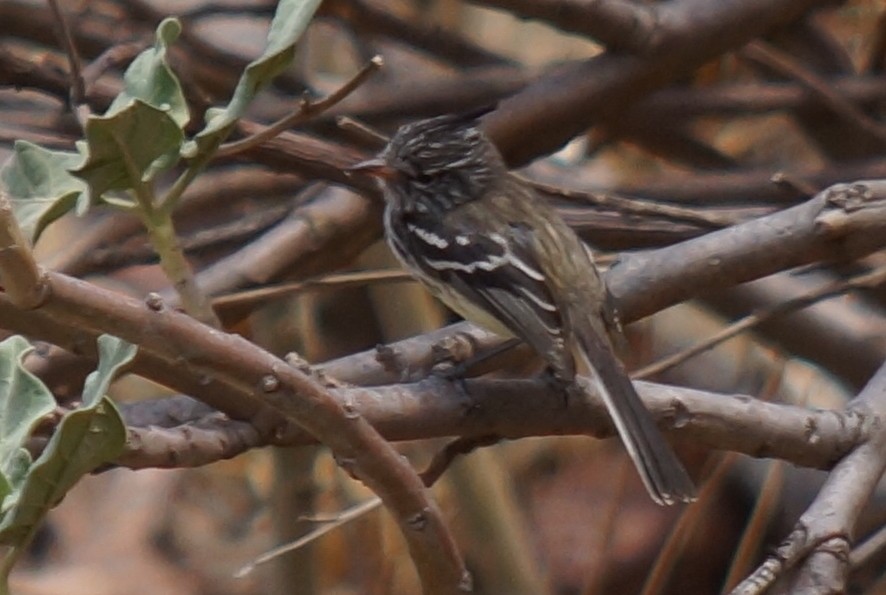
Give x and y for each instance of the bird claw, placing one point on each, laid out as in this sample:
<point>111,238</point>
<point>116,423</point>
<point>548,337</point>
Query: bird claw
<point>558,384</point>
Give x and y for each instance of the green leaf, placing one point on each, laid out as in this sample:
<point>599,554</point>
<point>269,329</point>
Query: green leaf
<point>290,21</point>
<point>86,438</point>
<point>150,79</point>
<point>113,354</point>
<point>15,472</point>
<point>24,401</point>
<point>125,150</point>
<point>138,136</point>
<point>39,185</point>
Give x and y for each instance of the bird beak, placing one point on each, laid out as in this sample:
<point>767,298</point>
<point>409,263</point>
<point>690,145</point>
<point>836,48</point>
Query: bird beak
<point>377,168</point>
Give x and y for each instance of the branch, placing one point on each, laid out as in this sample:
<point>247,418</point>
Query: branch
<point>567,101</point>
<point>327,217</point>
<point>844,222</point>
<point>66,40</point>
<point>865,280</point>
<point>782,63</point>
<point>20,277</point>
<point>823,333</point>
<point>641,284</point>
<point>306,111</point>
<point>429,38</point>
<point>268,393</point>
<point>817,550</point>
<point>513,409</point>
<point>618,25</point>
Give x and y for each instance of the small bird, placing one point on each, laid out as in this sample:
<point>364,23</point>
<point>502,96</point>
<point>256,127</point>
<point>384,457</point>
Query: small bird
<point>490,248</point>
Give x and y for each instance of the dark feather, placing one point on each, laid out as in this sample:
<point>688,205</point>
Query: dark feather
<point>472,116</point>
<point>661,471</point>
<point>508,284</point>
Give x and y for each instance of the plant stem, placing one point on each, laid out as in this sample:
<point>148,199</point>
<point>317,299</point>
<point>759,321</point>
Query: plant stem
<point>162,234</point>
<point>170,201</point>
<point>5,568</point>
<point>11,556</point>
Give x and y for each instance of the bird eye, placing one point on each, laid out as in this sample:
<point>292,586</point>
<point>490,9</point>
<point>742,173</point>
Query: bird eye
<point>423,178</point>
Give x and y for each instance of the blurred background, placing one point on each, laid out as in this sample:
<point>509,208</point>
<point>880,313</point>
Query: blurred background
<point>553,515</point>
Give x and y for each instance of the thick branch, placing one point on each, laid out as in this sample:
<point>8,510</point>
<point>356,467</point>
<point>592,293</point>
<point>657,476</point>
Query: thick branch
<point>818,547</point>
<point>842,223</point>
<point>560,105</point>
<point>257,387</point>
<point>522,408</point>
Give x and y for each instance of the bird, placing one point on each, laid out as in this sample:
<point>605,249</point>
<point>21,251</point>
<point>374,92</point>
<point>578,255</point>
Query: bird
<point>490,248</point>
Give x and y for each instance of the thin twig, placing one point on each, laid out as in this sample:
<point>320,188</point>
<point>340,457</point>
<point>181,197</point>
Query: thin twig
<point>770,57</point>
<point>78,88</point>
<point>863,552</point>
<point>342,518</point>
<point>458,447</point>
<point>601,551</point>
<point>111,57</point>
<point>439,464</point>
<point>340,281</point>
<point>795,183</point>
<point>674,545</point>
<point>307,109</point>
<point>635,206</point>
<point>361,130</point>
<point>866,280</point>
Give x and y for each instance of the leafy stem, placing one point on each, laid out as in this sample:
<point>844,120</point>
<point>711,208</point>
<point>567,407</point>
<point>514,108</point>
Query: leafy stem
<point>11,556</point>
<point>175,192</point>
<point>161,231</point>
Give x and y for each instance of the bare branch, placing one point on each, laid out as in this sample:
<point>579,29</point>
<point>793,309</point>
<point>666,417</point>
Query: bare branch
<point>817,551</point>
<point>307,110</point>
<point>78,88</point>
<point>834,225</point>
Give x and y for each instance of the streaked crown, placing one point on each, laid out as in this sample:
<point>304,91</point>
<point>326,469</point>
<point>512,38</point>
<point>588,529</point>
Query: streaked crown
<point>440,163</point>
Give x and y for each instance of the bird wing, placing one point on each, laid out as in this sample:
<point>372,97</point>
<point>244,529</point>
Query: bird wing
<point>498,274</point>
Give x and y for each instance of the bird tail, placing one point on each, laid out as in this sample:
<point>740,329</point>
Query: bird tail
<point>661,471</point>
